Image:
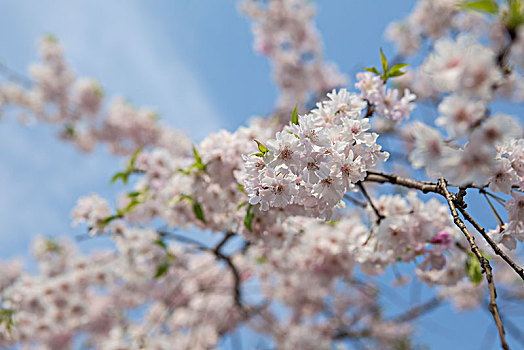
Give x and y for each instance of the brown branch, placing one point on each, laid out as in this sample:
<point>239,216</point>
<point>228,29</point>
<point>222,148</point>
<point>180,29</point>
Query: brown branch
<point>418,310</point>
<point>409,315</point>
<point>341,334</point>
<point>226,238</point>
<point>237,293</point>
<point>380,217</point>
<point>493,308</point>
<point>493,245</point>
<point>424,186</point>
<point>369,110</point>
<point>236,276</point>
<point>355,201</point>
<point>182,238</point>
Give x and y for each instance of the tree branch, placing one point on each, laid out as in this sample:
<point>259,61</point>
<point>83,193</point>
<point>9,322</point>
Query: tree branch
<point>380,217</point>
<point>493,245</point>
<point>409,315</point>
<point>493,308</point>
<point>355,201</point>
<point>418,310</point>
<point>424,186</point>
<point>226,238</point>
<point>237,294</point>
<point>236,276</point>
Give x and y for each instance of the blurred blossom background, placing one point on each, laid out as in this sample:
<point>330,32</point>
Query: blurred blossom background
<point>192,61</point>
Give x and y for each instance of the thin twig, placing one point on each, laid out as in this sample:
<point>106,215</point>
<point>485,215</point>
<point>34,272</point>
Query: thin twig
<point>236,276</point>
<point>497,216</point>
<point>237,294</point>
<point>405,317</point>
<point>424,186</point>
<point>14,76</point>
<point>370,110</point>
<point>418,310</point>
<point>380,217</point>
<point>355,201</point>
<point>183,239</point>
<point>224,240</point>
<point>500,200</point>
<point>493,307</point>
<point>519,270</point>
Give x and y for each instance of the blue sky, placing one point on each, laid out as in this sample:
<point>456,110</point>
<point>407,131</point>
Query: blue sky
<point>192,61</point>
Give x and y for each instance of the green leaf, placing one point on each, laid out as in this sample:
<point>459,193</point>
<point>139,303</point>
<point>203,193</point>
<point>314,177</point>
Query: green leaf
<point>121,175</point>
<point>241,188</point>
<point>109,219</point>
<point>486,256</point>
<point>373,70</point>
<point>180,198</point>
<point>69,131</point>
<point>51,38</point>
<point>197,209</point>
<point>294,116</point>
<point>6,317</point>
<point>52,246</point>
<point>263,149</point>
<point>474,269</point>
<point>396,74</point>
<point>248,219</point>
<point>132,160</point>
<point>515,16</point>
<point>198,159</point>
<point>130,168</point>
<point>384,62</point>
<point>197,156</point>
<point>134,194</point>
<point>258,154</point>
<point>292,133</point>
<point>186,197</point>
<point>260,260</point>
<point>99,91</point>
<point>161,243</point>
<point>487,6</point>
<point>185,171</point>
<point>397,67</point>
<point>162,269</point>
<point>197,164</point>
<point>131,205</point>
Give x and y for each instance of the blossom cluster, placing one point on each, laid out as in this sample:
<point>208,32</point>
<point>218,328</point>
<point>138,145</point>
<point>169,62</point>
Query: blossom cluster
<point>388,103</point>
<point>312,164</point>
